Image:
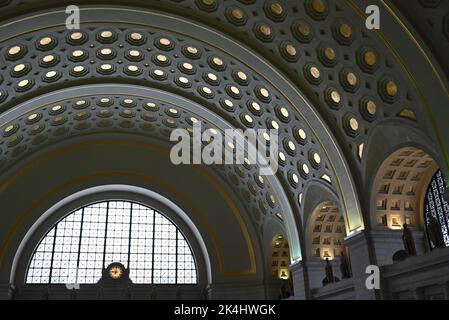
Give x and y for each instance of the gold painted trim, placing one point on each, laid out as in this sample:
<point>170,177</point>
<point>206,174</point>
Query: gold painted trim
<point>356,226</point>
<point>418,45</point>
<point>407,72</point>
<point>195,208</point>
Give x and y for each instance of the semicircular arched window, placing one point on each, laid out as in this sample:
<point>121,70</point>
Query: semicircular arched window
<point>89,239</point>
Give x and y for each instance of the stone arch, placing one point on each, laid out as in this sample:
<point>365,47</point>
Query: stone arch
<point>307,67</point>
<point>399,189</point>
<point>386,139</point>
<point>315,192</point>
<point>275,286</point>
<point>398,197</point>
<point>100,193</point>
<point>325,232</point>
<point>87,176</point>
<point>312,162</point>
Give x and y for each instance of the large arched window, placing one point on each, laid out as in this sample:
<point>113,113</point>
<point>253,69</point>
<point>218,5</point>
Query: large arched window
<point>78,247</point>
<point>437,206</point>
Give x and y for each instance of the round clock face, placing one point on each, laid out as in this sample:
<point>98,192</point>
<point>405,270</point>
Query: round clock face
<point>115,271</point>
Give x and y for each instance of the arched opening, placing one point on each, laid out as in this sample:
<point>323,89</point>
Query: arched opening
<point>96,106</point>
<point>81,246</point>
<point>279,266</point>
<point>399,186</point>
<point>280,258</point>
<point>231,77</point>
<point>326,232</point>
<point>436,212</point>
<point>109,242</point>
<point>398,198</point>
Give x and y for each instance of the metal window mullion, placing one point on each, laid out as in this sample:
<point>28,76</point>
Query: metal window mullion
<point>445,214</point>
<point>443,201</point>
<point>80,239</point>
<point>105,233</point>
<point>152,249</point>
<point>176,259</point>
<point>438,196</point>
<point>427,212</point>
<point>129,236</point>
<point>52,255</point>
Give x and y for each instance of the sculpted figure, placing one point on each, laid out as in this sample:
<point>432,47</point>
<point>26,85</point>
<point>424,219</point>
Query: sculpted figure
<point>345,268</point>
<point>329,272</point>
<point>435,234</point>
<point>408,240</point>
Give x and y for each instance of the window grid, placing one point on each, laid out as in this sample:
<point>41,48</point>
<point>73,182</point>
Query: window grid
<point>437,206</point>
<point>141,261</point>
<point>92,240</point>
<point>78,247</point>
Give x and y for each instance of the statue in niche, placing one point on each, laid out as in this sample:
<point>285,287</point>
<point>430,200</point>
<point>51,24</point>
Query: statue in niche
<point>280,294</point>
<point>345,268</point>
<point>330,278</point>
<point>435,234</point>
<point>286,290</point>
<point>329,271</point>
<point>408,240</point>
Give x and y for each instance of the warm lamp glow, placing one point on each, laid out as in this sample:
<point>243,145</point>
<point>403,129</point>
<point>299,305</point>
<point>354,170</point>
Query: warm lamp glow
<point>283,274</point>
<point>326,254</point>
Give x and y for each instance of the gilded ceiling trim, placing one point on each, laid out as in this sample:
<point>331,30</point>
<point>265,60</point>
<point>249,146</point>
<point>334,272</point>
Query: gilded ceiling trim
<point>407,71</point>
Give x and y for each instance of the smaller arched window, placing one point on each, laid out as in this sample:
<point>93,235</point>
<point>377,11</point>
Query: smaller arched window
<point>437,206</point>
<point>80,246</point>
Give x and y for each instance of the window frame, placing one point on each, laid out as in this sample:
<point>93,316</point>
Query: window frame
<point>130,224</point>
<point>430,207</point>
<point>158,202</point>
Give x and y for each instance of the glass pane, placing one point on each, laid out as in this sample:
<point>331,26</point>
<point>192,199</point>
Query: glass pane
<point>77,248</point>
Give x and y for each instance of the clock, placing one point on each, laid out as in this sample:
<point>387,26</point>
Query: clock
<point>115,275</point>
<point>115,271</point>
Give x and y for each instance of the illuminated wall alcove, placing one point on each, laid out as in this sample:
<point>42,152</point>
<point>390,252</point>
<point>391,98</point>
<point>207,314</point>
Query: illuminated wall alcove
<point>399,189</point>
<point>326,232</point>
<point>280,258</point>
